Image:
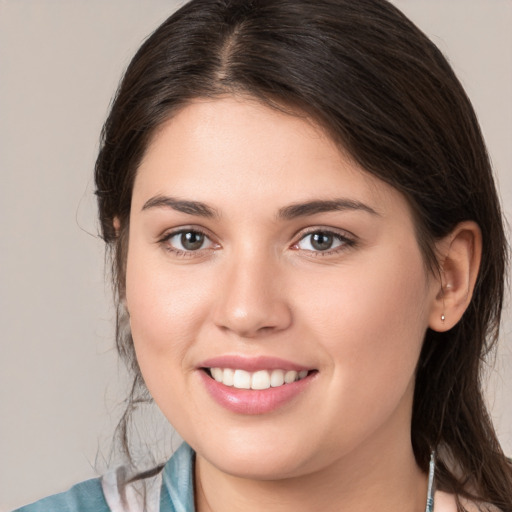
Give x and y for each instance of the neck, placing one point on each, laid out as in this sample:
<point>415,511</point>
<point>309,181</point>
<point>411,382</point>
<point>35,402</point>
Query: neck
<point>381,475</point>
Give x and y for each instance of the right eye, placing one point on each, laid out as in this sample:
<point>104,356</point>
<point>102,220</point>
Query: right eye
<point>187,241</point>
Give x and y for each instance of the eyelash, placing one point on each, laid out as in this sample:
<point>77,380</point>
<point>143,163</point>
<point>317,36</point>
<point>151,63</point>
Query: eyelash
<point>186,253</point>
<point>345,242</point>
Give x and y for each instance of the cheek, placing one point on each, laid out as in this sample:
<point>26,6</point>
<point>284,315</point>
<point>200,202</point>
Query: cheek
<point>165,317</point>
<point>372,322</point>
<point>166,310</point>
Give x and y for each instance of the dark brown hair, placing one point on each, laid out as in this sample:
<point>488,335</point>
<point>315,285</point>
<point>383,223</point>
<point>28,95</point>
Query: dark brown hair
<point>384,91</point>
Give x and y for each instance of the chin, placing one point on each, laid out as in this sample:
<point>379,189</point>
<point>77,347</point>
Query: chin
<point>257,458</point>
<point>261,467</point>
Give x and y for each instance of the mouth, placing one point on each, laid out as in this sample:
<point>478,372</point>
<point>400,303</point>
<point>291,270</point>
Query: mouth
<point>257,380</point>
<point>254,385</point>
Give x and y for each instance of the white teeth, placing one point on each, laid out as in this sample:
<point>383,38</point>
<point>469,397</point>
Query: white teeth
<point>277,378</point>
<point>217,374</point>
<point>242,379</point>
<point>290,376</point>
<point>228,376</point>
<point>262,379</point>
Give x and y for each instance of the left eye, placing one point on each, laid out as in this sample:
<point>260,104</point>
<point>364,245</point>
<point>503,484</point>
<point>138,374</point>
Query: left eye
<point>321,241</point>
<point>189,240</point>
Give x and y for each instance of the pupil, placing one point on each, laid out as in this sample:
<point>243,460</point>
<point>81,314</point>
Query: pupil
<point>192,241</point>
<point>321,241</point>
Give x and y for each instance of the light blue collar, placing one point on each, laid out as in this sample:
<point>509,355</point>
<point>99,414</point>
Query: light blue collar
<point>177,494</point>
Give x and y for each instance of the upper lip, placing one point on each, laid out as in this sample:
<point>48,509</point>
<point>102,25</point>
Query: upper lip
<point>251,364</point>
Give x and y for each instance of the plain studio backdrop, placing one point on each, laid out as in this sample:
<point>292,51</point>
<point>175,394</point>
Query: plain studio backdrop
<point>60,61</point>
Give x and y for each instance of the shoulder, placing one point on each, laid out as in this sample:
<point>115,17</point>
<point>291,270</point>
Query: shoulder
<point>444,502</point>
<point>470,506</point>
<point>83,497</point>
<point>126,494</point>
<point>114,492</point>
<point>169,489</point>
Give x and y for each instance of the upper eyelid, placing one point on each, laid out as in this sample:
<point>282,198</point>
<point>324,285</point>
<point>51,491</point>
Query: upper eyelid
<point>343,233</point>
<point>169,233</point>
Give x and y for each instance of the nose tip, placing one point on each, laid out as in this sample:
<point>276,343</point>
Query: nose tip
<point>252,322</point>
<point>252,303</point>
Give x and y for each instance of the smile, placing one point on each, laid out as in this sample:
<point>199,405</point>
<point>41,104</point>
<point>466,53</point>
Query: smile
<point>258,380</point>
<point>257,385</point>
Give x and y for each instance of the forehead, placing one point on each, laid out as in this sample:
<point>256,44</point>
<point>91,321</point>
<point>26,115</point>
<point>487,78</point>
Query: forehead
<point>236,148</point>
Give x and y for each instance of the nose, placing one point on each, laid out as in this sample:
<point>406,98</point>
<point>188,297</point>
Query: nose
<point>251,300</point>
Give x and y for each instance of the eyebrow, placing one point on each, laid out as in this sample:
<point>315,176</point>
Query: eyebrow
<point>318,206</point>
<point>290,212</point>
<point>191,207</point>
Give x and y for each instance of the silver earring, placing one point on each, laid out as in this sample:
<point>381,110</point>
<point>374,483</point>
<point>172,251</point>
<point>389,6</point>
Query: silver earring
<point>443,318</point>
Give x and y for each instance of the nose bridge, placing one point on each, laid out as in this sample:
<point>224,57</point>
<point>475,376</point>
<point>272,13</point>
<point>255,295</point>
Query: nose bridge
<point>251,299</point>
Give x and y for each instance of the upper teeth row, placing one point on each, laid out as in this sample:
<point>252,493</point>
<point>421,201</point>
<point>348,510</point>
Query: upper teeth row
<point>262,379</point>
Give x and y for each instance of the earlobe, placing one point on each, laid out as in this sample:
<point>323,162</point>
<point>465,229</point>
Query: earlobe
<point>460,254</point>
<point>117,225</point>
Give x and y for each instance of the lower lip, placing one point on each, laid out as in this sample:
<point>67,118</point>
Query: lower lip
<point>251,401</point>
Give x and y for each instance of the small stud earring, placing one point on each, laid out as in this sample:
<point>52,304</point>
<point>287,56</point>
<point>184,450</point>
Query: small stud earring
<point>443,318</point>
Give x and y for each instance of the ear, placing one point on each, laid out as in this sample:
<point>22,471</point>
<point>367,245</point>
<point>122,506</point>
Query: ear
<point>460,253</point>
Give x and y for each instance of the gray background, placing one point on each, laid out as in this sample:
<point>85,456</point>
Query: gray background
<point>60,384</point>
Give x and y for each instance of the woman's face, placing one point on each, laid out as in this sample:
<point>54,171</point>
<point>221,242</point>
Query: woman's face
<point>259,253</point>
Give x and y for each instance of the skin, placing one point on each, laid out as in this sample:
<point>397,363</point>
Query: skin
<point>356,314</point>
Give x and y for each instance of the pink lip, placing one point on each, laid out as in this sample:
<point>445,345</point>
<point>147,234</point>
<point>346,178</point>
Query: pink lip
<point>250,401</point>
<point>251,364</point>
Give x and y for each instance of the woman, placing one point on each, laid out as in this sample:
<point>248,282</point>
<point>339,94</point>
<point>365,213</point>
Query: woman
<point>309,259</point>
